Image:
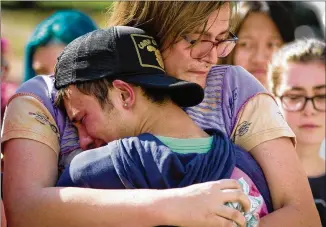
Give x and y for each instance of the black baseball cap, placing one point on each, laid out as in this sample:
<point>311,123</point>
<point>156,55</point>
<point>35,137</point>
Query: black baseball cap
<point>124,53</point>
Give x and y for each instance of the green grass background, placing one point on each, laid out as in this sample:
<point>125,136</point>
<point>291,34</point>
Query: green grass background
<point>18,23</point>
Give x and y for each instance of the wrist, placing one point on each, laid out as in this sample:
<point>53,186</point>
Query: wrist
<point>162,207</point>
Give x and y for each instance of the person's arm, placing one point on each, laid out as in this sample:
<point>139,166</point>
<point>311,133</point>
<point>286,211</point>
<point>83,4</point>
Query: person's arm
<point>288,184</point>
<point>262,130</point>
<point>31,149</point>
<point>31,170</point>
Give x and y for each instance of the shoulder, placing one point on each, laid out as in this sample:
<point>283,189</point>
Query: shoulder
<point>141,142</point>
<point>236,76</point>
<point>39,86</point>
<point>126,148</point>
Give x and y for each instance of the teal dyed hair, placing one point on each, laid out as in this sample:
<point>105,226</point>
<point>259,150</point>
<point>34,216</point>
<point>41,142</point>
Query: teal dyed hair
<point>61,27</point>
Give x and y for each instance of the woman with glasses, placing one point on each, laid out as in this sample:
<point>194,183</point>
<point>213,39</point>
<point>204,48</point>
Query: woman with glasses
<point>297,79</point>
<point>192,36</point>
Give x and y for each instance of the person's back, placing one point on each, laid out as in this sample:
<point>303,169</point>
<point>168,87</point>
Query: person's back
<point>151,161</point>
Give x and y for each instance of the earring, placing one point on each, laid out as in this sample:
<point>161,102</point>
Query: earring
<point>125,104</point>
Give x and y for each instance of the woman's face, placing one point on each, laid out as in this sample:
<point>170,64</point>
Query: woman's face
<point>258,39</point>
<point>177,59</point>
<point>45,58</point>
<point>306,80</point>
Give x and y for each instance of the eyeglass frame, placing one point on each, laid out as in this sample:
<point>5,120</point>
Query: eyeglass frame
<point>215,44</point>
<point>304,104</point>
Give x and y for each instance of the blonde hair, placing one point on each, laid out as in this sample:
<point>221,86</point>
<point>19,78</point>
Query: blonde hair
<point>300,51</point>
<point>166,21</point>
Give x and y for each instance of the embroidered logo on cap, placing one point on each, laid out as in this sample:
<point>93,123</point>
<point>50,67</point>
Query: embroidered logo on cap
<point>147,51</point>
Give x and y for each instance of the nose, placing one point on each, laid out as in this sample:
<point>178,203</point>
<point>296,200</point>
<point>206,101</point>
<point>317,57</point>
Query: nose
<point>211,58</point>
<point>86,142</point>
<point>309,109</point>
<point>261,55</point>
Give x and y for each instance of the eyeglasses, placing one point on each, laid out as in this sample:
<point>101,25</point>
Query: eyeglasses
<point>201,48</point>
<point>295,103</point>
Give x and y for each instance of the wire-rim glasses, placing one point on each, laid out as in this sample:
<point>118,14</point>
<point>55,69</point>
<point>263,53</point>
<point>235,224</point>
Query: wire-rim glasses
<point>201,48</point>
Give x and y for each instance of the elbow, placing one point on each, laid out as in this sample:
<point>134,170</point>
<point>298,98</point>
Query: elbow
<point>18,217</point>
<point>308,213</point>
<point>313,218</point>
<point>22,211</point>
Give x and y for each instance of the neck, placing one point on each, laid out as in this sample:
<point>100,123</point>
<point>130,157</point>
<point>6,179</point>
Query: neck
<point>168,120</point>
<point>313,164</point>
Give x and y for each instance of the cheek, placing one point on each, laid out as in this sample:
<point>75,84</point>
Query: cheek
<point>176,61</point>
<point>292,118</point>
<point>94,125</point>
<point>241,57</point>
<point>322,118</point>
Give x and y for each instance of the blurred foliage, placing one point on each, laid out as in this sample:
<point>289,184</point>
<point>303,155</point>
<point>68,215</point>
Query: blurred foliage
<point>19,20</point>
<point>87,5</point>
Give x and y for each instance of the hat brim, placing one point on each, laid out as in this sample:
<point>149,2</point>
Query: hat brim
<point>183,93</point>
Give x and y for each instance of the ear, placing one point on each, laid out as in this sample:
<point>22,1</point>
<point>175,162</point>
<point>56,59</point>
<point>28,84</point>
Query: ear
<point>126,93</point>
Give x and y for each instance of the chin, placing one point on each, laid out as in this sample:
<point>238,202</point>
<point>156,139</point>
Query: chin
<point>201,82</point>
<point>310,141</point>
<point>195,78</point>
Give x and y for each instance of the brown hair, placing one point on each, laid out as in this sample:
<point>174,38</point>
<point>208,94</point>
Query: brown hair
<point>278,13</point>
<point>166,21</point>
<point>97,88</point>
<point>100,90</point>
<point>300,51</point>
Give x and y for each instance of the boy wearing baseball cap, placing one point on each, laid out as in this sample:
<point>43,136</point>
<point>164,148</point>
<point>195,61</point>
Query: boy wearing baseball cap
<point>114,89</point>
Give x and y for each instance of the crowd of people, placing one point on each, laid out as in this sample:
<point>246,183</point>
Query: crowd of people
<point>176,114</point>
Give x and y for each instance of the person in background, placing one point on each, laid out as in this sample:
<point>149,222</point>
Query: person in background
<point>308,21</point>
<point>297,79</point>
<point>5,95</point>
<point>50,37</point>
<point>263,27</point>
<point>8,88</point>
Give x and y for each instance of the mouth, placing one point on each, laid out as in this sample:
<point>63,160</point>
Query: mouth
<point>258,72</point>
<point>309,126</point>
<point>199,73</point>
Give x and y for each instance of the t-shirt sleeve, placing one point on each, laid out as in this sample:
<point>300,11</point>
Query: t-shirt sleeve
<point>26,117</point>
<point>95,168</point>
<point>260,120</point>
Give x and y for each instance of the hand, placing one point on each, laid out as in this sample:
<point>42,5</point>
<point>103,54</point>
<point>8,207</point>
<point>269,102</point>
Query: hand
<point>204,204</point>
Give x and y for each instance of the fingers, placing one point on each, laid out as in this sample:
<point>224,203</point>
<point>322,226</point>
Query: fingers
<point>231,214</point>
<point>227,184</point>
<point>224,222</point>
<point>234,195</point>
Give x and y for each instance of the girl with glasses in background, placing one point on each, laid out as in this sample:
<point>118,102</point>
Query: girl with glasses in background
<point>297,77</point>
